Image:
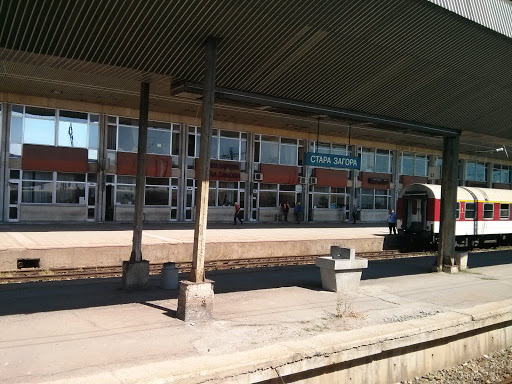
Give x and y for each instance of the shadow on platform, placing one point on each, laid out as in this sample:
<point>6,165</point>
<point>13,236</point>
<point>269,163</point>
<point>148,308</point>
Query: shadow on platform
<point>56,296</point>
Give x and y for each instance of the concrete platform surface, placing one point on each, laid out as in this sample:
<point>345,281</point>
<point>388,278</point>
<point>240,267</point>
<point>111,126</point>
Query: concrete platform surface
<point>92,332</point>
<point>90,245</point>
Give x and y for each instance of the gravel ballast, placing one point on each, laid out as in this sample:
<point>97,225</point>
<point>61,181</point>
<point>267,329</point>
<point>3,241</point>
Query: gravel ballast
<point>493,368</point>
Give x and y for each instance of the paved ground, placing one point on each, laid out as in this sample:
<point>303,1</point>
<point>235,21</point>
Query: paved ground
<point>73,331</point>
<point>96,235</point>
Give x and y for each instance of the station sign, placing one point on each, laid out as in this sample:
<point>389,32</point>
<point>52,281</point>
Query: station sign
<point>332,161</point>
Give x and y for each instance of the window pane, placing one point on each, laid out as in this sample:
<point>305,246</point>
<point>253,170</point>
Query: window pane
<point>112,137</point>
<point>125,194</point>
<point>496,175</point>
<point>287,197</point>
<point>227,197</point>
<point>337,200</point>
<point>268,186</point>
<point>481,172</point>
<point>70,193</point>
<point>505,176</point>
<point>16,129</point>
<point>381,202</point>
<point>93,136</point>
<point>211,197</point>
<point>269,152</point>
<point>229,149</point>
<point>288,155</point>
<point>157,195</point>
<point>191,145</point>
<point>488,211</point>
<point>420,166</point>
<point>72,134</point>
<point>268,199</point>
<point>407,165</point>
<point>176,143</point>
<point>367,161</point>
<point>37,175</point>
<point>159,142</point>
<point>382,161</point>
<point>471,171</point>
<point>128,139</point>
<point>504,211</point>
<point>323,148</point>
<point>36,192</point>
<point>126,179</point>
<point>70,176</point>
<point>339,150</point>
<point>366,202</point>
<point>157,181</point>
<point>38,131</point>
<point>470,211</point>
<point>320,201</point>
<point>243,150</point>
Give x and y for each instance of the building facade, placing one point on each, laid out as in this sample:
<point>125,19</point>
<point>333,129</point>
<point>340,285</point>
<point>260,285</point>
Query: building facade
<point>73,162</point>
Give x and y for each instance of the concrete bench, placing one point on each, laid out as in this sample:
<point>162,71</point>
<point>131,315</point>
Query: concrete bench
<point>342,270</point>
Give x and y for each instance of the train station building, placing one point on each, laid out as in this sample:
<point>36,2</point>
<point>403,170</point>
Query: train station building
<point>331,105</point>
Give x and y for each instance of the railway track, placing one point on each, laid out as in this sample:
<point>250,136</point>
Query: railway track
<point>57,274</point>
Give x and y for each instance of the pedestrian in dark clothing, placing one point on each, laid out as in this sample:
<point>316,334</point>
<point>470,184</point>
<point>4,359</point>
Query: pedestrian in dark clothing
<point>392,222</point>
<point>298,212</point>
<point>238,215</point>
<point>354,214</point>
<point>286,209</point>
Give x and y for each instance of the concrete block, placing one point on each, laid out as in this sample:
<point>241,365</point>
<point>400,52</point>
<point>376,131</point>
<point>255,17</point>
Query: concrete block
<point>343,253</point>
<point>450,268</point>
<point>169,277</point>
<point>341,274</point>
<point>135,274</point>
<point>461,260</point>
<point>195,301</point>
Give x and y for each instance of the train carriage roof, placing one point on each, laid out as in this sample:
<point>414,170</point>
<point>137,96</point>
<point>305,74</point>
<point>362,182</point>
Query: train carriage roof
<point>463,193</point>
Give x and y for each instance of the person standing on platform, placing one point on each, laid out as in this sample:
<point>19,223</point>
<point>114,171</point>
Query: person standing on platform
<point>392,222</point>
<point>354,214</point>
<point>238,214</point>
<point>286,209</point>
<point>343,213</point>
<point>298,212</point>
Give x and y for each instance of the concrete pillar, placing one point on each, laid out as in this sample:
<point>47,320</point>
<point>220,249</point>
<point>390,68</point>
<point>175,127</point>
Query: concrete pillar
<point>182,185</point>
<point>396,178</point>
<point>250,169</point>
<point>195,299</point>
<point>102,168</point>
<point>446,249</point>
<point>355,174</point>
<point>136,271</point>
<point>203,180</point>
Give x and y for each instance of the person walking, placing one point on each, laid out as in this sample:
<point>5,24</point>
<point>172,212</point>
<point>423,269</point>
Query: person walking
<point>354,214</point>
<point>286,209</point>
<point>238,214</point>
<point>298,212</point>
<point>392,222</point>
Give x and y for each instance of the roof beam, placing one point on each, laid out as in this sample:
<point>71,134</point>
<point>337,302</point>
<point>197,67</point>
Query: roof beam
<point>187,88</point>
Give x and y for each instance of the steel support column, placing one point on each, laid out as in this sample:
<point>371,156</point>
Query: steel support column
<point>449,185</point>
<point>197,271</point>
<point>136,255</point>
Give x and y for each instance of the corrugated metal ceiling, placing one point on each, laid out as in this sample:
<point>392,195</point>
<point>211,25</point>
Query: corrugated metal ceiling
<point>409,60</point>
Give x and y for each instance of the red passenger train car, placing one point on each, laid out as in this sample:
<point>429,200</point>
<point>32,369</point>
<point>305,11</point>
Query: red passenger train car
<point>482,214</point>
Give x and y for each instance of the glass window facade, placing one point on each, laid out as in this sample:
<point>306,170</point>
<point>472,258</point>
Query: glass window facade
<point>375,198</point>
<point>376,160</point>
<point>476,171</point>
<point>413,164</point>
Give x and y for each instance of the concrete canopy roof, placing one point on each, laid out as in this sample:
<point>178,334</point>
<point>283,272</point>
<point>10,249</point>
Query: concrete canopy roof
<point>407,60</point>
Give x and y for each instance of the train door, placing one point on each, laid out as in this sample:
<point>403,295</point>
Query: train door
<point>415,214</point>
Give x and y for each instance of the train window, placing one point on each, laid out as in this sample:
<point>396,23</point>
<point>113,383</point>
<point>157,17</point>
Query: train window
<point>504,211</point>
<point>457,211</point>
<point>470,211</point>
<point>488,211</point>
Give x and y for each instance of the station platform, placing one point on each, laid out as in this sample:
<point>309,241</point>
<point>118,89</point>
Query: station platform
<point>272,325</point>
<point>91,245</point>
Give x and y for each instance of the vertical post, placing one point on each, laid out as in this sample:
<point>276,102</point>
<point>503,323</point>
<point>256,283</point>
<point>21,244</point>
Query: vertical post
<point>449,185</point>
<point>197,271</point>
<point>4,163</point>
<point>136,255</point>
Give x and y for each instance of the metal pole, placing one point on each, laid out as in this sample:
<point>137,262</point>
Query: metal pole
<point>448,199</point>
<point>197,271</point>
<point>136,255</point>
